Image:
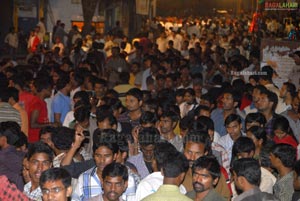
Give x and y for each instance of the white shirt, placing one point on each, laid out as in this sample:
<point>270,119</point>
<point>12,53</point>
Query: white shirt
<point>150,184</point>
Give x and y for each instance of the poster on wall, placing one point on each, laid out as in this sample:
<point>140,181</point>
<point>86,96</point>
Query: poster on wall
<point>142,7</point>
<point>277,54</point>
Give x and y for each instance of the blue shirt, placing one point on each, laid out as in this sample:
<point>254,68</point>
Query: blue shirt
<point>61,104</point>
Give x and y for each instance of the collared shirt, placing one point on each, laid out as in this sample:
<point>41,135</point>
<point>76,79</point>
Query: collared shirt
<point>167,192</point>
<point>35,195</point>
<point>126,122</point>
<point>139,163</point>
<point>150,184</point>
<point>100,198</point>
<point>89,185</point>
<point>283,188</point>
<point>176,142</point>
<point>225,159</point>
<point>9,191</point>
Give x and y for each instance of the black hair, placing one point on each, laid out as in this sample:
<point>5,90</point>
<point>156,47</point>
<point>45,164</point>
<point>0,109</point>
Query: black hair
<point>272,97</point>
<point>47,129</point>
<point>161,152</point>
<point>236,96</point>
<point>185,122</point>
<point>135,92</point>
<point>83,96</point>
<point>256,117</point>
<point>286,154</point>
<point>148,117</point>
<point>107,138</point>
<point>63,138</point>
<point>82,113</point>
<point>232,118</point>
<point>199,108</point>
<point>4,95</point>
<point>297,168</point>
<point>283,124</point>
<point>198,137</point>
<point>54,174</point>
<point>13,93</point>
<point>290,87</point>
<point>259,133</point>
<point>248,168</point>
<point>42,83</point>
<point>110,117</point>
<point>22,140</point>
<point>40,147</point>
<point>170,114</point>
<point>115,170</point>
<point>63,80</point>
<point>124,77</point>
<point>242,145</point>
<point>203,123</point>
<point>210,163</point>
<point>148,136</point>
<point>174,165</point>
<point>180,92</point>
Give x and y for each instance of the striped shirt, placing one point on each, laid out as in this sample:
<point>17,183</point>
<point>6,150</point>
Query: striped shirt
<point>8,113</point>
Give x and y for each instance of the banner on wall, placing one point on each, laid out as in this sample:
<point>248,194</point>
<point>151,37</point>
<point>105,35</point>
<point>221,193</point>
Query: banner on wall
<point>142,7</point>
<point>277,54</point>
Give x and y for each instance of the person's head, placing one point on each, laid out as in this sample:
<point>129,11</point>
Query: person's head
<point>231,99</point>
<point>99,86</point>
<point>8,135</point>
<point>255,119</point>
<point>63,138</point>
<point>267,101</point>
<point>63,82</point>
<point>168,121</point>
<point>161,152</point>
<point>206,173</point>
<point>179,94</point>
<point>55,184</point>
<point>246,173</point>
<point>107,121</point>
<point>281,127</point>
<point>195,145</point>
<point>134,99</point>
<point>189,96</point>
<point>105,147</point>
<point>233,124</point>
<point>256,94</point>
<point>184,125</point>
<point>13,95</point>
<point>207,100</point>
<point>46,135</point>
<point>297,176</point>
<point>258,135</point>
<point>43,86</point>
<point>243,148</point>
<point>39,159</point>
<point>147,140</point>
<point>283,155</point>
<point>202,110</point>
<point>287,89</point>
<point>267,75</point>
<point>206,124</point>
<point>115,181</point>
<point>148,119</point>
<point>174,168</point>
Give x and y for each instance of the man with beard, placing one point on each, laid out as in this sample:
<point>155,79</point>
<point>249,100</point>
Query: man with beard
<point>115,182</point>
<point>206,174</point>
<point>246,176</point>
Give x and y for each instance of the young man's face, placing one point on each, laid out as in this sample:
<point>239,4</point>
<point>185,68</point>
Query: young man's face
<point>103,156</point>
<point>263,103</point>
<point>234,130</point>
<point>46,138</point>
<point>165,125</point>
<point>228,103</point>
<point>193,151</point>
<point>202,180</point>
<point>38,163</point>
<point>113,187</point>
<point>148,152</point>
<point>132,103</point>
<point>55,191</point>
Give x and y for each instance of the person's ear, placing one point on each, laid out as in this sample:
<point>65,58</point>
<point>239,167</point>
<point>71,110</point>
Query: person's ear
<point>69,191</point>
<point>115,156</point>
<point>215,181</point>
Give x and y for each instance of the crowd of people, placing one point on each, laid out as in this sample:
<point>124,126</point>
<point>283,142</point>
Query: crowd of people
<point>183,113</point>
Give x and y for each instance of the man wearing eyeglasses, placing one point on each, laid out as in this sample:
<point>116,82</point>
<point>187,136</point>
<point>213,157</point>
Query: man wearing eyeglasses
<point>56,184</point>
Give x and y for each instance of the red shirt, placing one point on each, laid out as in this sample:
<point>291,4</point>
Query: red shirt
<point>41,106</point>
<point>286,140</point>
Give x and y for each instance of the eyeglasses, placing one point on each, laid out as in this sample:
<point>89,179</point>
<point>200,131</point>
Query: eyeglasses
<point>55,190</point>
